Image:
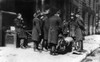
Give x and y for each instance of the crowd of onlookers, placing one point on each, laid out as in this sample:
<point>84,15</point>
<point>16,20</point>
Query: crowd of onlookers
<point>48,29</point>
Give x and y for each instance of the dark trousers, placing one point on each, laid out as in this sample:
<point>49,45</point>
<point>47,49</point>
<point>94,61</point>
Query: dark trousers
<point>25,43</point>
<point>52,48</point>
<point>81,45</point>
<point>36,44</point>
<point>19,42</point>
<point>45,44</point>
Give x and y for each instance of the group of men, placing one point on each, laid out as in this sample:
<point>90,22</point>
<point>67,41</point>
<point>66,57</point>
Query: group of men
<point>47,26</point>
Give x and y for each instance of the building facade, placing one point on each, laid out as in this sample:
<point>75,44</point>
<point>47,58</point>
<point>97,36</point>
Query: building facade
<point>87,9</point>
<point>97,16</point>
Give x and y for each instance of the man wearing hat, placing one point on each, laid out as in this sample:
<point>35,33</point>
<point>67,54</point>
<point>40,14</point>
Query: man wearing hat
<point>78,33</point>
<point>55,23</point>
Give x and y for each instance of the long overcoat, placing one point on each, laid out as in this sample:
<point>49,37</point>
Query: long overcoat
<point>19,28</point>
<point>78,30</point>
<point>21,33</point>
<point>55,24</point>
<point>46,28</point>
<point>36,31</point>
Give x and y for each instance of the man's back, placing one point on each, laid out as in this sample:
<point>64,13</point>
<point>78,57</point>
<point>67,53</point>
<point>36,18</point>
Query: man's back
<point>55,21</point>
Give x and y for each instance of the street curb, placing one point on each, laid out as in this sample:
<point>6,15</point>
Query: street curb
<point>88,54</point>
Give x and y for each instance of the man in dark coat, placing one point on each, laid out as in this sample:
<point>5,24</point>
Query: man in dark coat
<point>45,32</point>
<point>78,33</point>
<point>55,24</point>
<point>18,27</point>
<point>44,24</point>
<point>36,32</point>
<point>45,29</point>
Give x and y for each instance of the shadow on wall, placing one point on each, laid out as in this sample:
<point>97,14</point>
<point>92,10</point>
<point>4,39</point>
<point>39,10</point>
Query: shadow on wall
<point>8,19</point>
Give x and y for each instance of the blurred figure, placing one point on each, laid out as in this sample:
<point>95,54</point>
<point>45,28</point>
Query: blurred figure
<point>55,25</point>
<point>65,28</point>
<point>72,25</point>
<point>22,38</point>
<point>21,35</point>
<point>78,33</point>
<point>17,22</point>
<point>36,32</point>
<point>45,30</point>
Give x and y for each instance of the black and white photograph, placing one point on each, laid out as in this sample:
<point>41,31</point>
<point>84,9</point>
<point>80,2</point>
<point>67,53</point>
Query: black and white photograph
<point>49,30</point>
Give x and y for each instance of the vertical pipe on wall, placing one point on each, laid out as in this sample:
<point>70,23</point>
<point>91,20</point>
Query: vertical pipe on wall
<point>86,23</point>
<point>0,28</point>
<point>42,5</point>
<point>80,7</point>
<point>36,5</point>
<point>65,9</point>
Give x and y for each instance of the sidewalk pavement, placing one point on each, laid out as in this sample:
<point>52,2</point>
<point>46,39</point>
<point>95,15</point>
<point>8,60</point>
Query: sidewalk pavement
<point>8,54</point>
<point>91,43</point>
